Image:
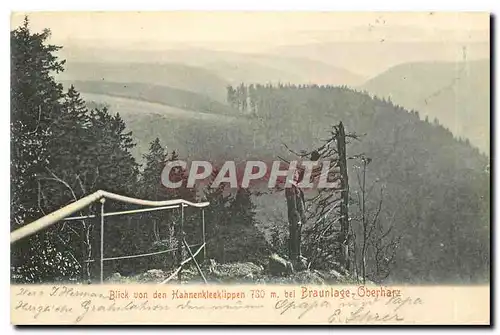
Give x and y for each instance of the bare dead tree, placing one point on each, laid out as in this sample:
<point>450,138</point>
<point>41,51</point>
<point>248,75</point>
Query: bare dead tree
<point>385,245</point>
<point>373,235</point>
<point>327,234</point>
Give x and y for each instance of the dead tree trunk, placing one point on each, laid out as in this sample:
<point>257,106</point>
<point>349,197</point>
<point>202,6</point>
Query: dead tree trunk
<point>293,222</point>
<point>301,208</point>
<point>296,218</point>
<point>327,244</point>
<point>344,195</point>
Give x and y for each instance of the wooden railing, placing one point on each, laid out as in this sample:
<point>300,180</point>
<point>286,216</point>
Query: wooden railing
<point>64,213</point>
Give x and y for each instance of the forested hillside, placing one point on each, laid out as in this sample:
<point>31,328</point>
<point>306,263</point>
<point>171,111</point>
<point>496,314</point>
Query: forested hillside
<point>436,187</point>
<point>150,120</point>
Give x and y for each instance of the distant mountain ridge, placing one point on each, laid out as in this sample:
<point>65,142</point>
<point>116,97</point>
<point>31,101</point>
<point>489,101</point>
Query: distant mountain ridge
<point>174,75</point>
<point>270,68</point>
<point>457,94</point>
<point>159,94</point>
<point>229,66</point>
<point>370,58</point>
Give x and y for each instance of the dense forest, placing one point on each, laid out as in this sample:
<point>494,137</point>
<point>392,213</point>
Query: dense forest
<point>436,188</point>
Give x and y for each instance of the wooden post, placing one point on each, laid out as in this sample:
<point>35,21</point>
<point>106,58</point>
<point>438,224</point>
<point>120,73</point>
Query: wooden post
<point>299,196</point>
<point>85,264</point>
<point>103,200</point>
<point>344,195</point>
<point>193,257</point>
<point>203,233</point>
<point>180,238</point>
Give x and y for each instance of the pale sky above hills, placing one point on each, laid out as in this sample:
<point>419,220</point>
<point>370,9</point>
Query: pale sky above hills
<point>253,31</point>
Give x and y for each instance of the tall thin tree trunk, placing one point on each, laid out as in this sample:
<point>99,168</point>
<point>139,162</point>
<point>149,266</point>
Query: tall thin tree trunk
<point>365,224</point>
<point>344,206</point>
<point>293,220</point>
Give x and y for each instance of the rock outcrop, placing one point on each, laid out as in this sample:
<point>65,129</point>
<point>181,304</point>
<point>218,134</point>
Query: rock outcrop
<point>278,271</point>
<point>278,266</point>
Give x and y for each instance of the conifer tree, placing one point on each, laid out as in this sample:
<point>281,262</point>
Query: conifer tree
<point>244,241</point>
<point>216,217</point>
<point>35,103</point>
<point>60,152</point>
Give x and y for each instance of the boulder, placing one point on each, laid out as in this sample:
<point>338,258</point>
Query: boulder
<point>279,266</point>
<point>300,264</point>
<point>153,275</point>
<point>114,277</point>
<point>335,275</point>
<point>308,277</point>
<point>245,270</point>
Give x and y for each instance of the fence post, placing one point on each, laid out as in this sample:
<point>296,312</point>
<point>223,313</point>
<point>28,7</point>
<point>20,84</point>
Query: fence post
<point>102,200</point>
<point>180,237</point>
<point>203,233</point>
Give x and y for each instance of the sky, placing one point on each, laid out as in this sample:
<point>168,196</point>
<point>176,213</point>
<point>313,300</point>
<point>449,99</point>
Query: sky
<point>253,30</point>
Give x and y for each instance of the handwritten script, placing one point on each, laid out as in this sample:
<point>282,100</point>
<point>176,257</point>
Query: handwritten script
<point>153,304</point>
<point>82,303</point>
<point>374,310</point>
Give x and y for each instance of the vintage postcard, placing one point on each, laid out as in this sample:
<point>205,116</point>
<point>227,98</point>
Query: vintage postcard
<point>277,168</point>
